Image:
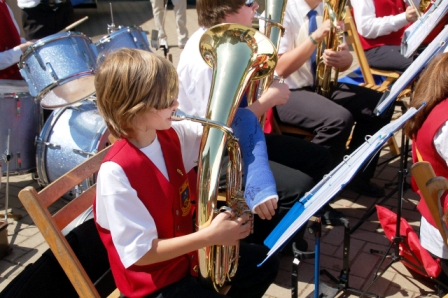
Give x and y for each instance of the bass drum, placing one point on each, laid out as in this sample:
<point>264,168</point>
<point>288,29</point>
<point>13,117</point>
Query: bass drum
<point>19,123</point>
<point>70,136</point>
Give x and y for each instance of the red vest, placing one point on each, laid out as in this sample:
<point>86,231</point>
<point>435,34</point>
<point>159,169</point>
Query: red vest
<point>424,141</point>
<point>168,202</point>
<point>385,8</point>
<point>9,38</point>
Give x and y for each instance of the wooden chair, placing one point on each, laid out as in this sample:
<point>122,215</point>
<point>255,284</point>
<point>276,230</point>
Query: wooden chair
<point>37,203</point>
<point>352,38</point>
<point>431,188</point>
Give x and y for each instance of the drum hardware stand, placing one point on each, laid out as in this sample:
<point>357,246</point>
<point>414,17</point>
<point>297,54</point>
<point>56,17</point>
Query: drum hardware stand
<point>7,158</point>
<point>111,28</point>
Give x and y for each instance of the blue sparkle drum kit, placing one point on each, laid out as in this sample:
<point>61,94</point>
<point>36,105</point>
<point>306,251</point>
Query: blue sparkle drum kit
<point>59,72</point>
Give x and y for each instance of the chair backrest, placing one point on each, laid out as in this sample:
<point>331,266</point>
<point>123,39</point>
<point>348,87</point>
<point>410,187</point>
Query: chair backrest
<point>431,188</point>
<point>37,203</point>
<point>352,38</point>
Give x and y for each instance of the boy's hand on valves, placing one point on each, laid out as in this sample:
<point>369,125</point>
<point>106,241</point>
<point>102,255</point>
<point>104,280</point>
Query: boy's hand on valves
<point>228,230</point>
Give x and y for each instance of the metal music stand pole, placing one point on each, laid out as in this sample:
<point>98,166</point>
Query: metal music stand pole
<point>395,242</point>
<point>403,165</point>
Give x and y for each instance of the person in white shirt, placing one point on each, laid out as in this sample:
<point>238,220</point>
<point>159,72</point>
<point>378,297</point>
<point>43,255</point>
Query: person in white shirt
<point>380,24</point>
<point>296,164</point>
<point>330,119</point>
<point>41,18</point>
<point>429,133</point>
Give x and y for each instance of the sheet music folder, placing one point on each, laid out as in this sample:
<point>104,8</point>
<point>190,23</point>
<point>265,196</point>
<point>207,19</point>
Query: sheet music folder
<point>331,184</point>
<point>415,34</point>
<point>438,45</point>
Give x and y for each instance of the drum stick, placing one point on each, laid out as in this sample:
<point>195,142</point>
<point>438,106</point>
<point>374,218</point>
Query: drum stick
<point>411,3</point>
<point>71,26</point>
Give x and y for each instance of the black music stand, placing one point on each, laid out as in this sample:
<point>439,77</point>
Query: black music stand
<point>342,281</point>
<point>394,245</point>
<point>404,150</point>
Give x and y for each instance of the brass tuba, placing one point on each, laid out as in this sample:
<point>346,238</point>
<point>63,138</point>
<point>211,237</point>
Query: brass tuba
<point>326,78</point>
<point>237,54</point>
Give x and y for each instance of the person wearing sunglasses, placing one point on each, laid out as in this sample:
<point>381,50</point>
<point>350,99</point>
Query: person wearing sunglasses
<point>296,164</point>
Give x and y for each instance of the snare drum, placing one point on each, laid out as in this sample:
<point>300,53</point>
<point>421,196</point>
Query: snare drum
<point>19,117</point>
<point>60,69</point>
<point>70,136</point>
<point>132,37</point>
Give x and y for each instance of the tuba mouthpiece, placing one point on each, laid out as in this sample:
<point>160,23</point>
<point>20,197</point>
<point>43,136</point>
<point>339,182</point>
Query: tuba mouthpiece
<point>178,115</point>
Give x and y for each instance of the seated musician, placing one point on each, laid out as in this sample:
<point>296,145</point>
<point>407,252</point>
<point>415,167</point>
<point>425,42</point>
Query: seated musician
<point>296,164</point>
<point>380,24</point>
<point>11,44</point>
<point>146,191</point>
<point>330,119</point>
<point>428,130</point>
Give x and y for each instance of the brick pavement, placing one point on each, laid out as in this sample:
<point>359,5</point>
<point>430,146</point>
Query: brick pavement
<point>27,244</point>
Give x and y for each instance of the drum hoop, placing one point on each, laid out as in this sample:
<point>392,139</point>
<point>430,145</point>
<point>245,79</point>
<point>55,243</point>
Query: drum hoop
<point>108,37</point>
<point>50,39</point>
<point>61,82</point>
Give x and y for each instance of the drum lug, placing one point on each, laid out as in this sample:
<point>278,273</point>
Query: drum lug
<point>39,60</point>
<point>83,152</point>
<point>52,72</point>
<point>48,144</point>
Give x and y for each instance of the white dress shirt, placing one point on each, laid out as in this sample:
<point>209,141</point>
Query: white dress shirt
<point>296,31</point>
<point>370,26</point>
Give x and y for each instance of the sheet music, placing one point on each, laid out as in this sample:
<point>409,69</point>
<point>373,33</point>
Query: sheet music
<point>436,46</point>
<point>420,29</point>
<point>331,184</point>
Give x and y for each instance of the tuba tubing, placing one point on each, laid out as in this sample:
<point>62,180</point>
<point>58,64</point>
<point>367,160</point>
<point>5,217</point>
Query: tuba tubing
<point>237,54</point>
<point>274,30</point>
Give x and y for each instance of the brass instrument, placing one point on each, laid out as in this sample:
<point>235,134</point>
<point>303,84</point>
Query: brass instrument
<point>275,10</point>
<point>423,6</point>
<point>237,54</point>
<point>325,77</point>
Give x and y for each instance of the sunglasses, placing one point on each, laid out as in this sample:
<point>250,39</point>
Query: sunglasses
<point>249,3</point>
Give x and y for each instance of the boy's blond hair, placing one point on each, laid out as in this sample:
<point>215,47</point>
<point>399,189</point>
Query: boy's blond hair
<point>130,81</point>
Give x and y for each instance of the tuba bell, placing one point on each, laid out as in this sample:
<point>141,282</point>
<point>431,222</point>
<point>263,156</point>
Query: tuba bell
<point>237,54</point>
<point>326,77</point>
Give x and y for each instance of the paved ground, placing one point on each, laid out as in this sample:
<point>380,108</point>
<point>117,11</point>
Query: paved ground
<point>27,244</point>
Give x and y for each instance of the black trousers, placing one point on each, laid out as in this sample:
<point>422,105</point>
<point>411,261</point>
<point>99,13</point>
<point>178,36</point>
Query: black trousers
<point>44,20</point>
<point>249,281</point>
<point>331,120</point>
<point>297,165</point>
<point>388,58</point>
